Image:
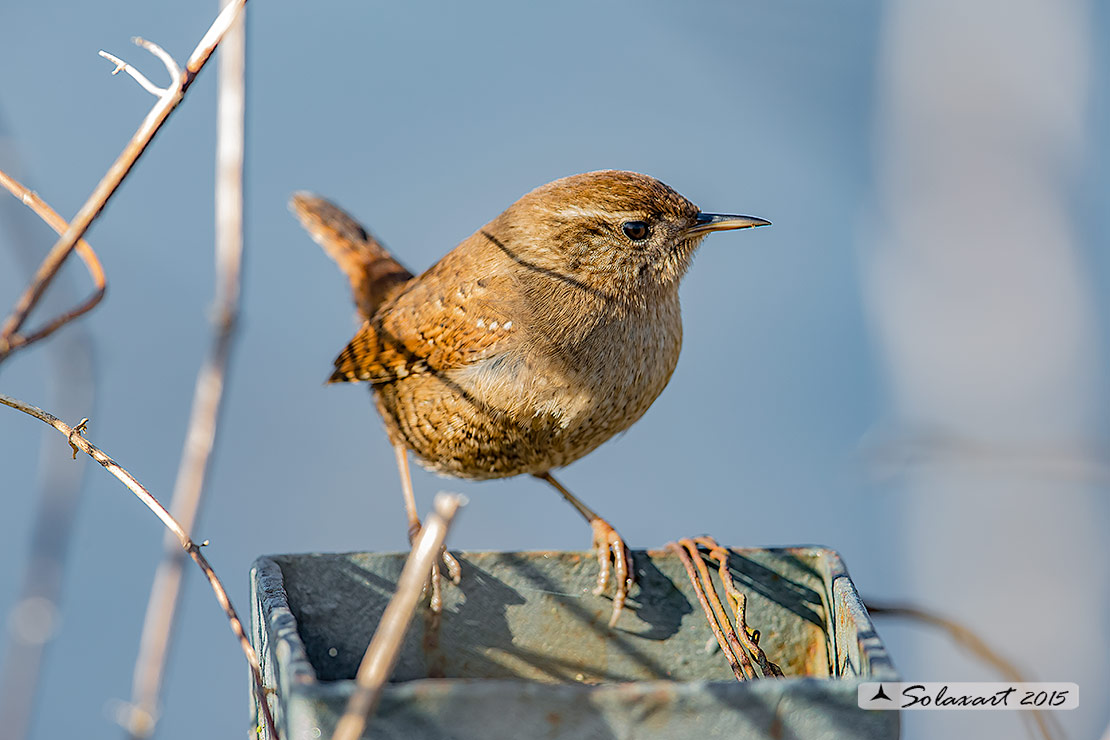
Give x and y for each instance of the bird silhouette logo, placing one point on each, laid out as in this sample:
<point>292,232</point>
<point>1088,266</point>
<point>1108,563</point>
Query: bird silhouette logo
<point>881,694</point>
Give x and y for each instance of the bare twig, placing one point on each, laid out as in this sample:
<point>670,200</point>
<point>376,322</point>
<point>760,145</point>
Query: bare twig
<point>104,190</point>
<point>150,87</point>
<point>749,638</point>
<point>967,639</point>
<point>736,649</point>
<point>33,620</point>
<point>162,606</point>
<point>31,199</point>
<point>688,564</point>
<point>738,660</point>
<point>73,434</point>
<point>385,647</point>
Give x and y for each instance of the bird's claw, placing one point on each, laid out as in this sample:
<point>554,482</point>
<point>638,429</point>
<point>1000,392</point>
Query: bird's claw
<point>435,579</point>
<point>435,585</point>
<point>613,559</point>
<point>454,570</point>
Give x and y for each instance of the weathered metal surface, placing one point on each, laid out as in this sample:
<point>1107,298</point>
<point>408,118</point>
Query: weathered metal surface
<point>523,650</point>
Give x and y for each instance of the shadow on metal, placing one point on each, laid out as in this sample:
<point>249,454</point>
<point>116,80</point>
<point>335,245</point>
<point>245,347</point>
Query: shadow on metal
<point>523,649</point>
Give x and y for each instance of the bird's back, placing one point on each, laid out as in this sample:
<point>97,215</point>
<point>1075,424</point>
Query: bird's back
<point>483,379</point>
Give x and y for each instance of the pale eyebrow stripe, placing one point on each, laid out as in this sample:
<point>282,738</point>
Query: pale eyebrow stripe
<point>573,211</point>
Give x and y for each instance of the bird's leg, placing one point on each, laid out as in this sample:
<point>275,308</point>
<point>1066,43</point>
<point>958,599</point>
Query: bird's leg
<point>454,572</point>
<point>609,546</point>
<point>406,490</point>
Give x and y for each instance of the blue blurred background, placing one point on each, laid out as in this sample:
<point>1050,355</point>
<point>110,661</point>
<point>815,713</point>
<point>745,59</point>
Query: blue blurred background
<point>908,366</point>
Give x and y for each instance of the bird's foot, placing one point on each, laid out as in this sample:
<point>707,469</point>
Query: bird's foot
<point>613,559</point>
<point>435,580</point>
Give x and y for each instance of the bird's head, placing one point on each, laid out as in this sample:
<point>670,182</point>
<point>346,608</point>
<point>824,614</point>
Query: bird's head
<point>622,235</point>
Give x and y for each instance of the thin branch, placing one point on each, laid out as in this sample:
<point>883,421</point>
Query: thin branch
<point>738,660</point>
<point>162,606</point>
<point>688,564</point>
<point>738,650</point>
<point>32,620</point>
<point>74,435</point>
<point>122,66</point>
<point>31,199</point>
<point>115,175</point>
<point>385,647</point>
<point>749,638</point>
<point>163,56</point>
<point>211,39</point>
<point>970,641</point>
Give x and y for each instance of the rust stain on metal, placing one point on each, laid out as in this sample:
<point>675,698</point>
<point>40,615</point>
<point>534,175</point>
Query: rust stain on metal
<point>435,659</point>
<point>530,642</point>
<point>775,729</point>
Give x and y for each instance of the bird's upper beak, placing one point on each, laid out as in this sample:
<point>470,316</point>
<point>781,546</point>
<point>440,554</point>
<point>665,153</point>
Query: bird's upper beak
<point>707,222</point>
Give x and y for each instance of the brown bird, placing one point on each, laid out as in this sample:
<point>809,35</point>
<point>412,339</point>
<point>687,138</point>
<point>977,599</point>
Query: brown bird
<point>551,329</point>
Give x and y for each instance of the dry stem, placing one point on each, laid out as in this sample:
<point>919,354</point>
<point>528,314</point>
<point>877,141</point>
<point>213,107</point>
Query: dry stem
<point>749,638</point>
<point>32,622</point>
<point>688,564</point>
<point>162,605</point>
<point>970,641</point>
<point>385,647</point>
<point>74,435</point>
<point>168,101</point>
<point>204,418</point>
<point>735,649</point>
<point>31,199</point>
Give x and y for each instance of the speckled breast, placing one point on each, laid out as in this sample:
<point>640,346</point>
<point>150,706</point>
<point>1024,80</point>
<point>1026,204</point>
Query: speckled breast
<point>535,410</point>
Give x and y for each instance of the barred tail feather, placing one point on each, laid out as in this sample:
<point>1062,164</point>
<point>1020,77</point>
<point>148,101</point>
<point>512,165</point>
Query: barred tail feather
<point>374,275</point>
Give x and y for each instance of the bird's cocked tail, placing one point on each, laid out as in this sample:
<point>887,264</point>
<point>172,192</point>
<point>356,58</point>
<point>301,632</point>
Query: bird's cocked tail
<point>374,275</point>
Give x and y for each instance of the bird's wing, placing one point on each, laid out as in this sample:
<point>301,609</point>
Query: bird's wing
<point>441,322</point>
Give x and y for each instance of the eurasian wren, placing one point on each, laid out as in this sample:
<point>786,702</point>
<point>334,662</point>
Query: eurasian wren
<point>551,329</point>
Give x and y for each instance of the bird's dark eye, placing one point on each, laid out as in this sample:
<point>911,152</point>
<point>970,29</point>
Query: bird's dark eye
<point>635,230</point>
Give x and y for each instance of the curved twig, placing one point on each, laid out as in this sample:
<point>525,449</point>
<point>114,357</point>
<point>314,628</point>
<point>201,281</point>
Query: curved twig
<point>722,640</point>
<point>33,617</point>
<point>718,609</point>
<point>970,641</point>
<point>122,66</point>
<point>748,637</point>
<point>31,199</point>
<point>163,55</point>
<point>76,439</point>
<point>116,173</point>
<point>204,418</point>
<point>738,649</point>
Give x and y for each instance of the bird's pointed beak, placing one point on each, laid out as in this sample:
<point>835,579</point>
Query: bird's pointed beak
<point>707,222</point>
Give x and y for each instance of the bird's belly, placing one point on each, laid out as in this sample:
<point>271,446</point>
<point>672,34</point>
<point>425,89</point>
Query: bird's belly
<point>514,414</point>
